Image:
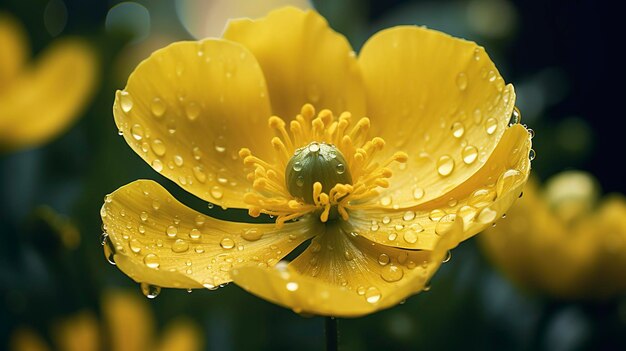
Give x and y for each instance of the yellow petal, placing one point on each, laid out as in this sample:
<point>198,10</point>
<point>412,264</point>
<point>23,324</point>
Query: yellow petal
<point>47,98</point>
<point>610,235</point>
<point>79,332</point>
<point>480,201</point>
<point>304,61</point>
<point>438,98</point>
<point>129,321</point>
<point>347,276</point>
<point>181,335</point>
<point>159,241</point>
<point>189,108</point>
<point>25,339</point>
<point>14,51</point>
<point>534,248</point>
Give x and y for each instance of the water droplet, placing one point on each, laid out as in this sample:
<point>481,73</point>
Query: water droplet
<point>436,214</point>
<point>314,147</point>
<point>448,257</point>
<point>292,286</point>
<point>386,220</point>
<point>158,107</point>
<point>143,216</point>
<point>297,166</point>
<point>468,213</point>
<point>156,205</point>
<point>482,197</point>
<point>458,129</point>
<point>158,147</point>
<point>478,116</point>
<point>491,76</point>
<point>227,243</point>
<point>178,160</point>
<point>385,200</point>
<point>491,125</point>
<point>180,245</point>
<point>469,154</point>
<point>198,172</point>
<point>531,154</point>
<point>137,131</point>
<point>392,273</point>
<point>348,255</point>
<point>410,237</point>
<point>445,165</point>
<point>461,81</point>
<point>195,234</point>
<point>171,231</point>
<point>507,180</point>
<point>516,116</point>
<point>252,234</point>
<point>383,259</point>
<point>151,261</point>
<point>372,294</point>
<point>134,245</point>
<point>408,215</point>
<point>487,215</point>
<point>192,110</point>
<point>217,192</point>
<point>126,101</point>
<point>477,54</point>
<point>418,193</point>
<point>157,165</point>
<point>220,144</point>
<point>150,291</point>
<point>340,168</point>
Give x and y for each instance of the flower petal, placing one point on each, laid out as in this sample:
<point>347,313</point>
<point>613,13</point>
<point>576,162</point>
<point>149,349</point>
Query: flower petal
<point>26,339</point>
<point>123,309</point>
<point>347,276</point>
<point>438,98</point>
<point>14,51</point>
<point>49,96</point>
<point>189,108</point>
<point>79,332</point>
<point>537,250</point>
<point>480,200</point>
<point>159,241</point>
<point>181,335</point>
<point>304,61</point>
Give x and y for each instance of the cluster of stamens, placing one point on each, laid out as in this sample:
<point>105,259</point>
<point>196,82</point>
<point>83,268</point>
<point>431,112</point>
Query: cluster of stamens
<point>273,185</point>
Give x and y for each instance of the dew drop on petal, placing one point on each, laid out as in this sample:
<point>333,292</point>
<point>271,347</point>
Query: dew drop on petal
<point>192,110</point>
<point>157,165</point>
<point>158,107</point>
<point>252,234</point>
<point>458,129</point>
<point>461,81</point>
<point>444,224</point>
<point>445,165</point>
<point>126,101</point>
<point>487,215</point>
<point>180,246</point>
<point>227,243</point>
<point>507,180</point>
<point>469,154</point>
<point>158,147</point>
<point>372,295</point>
<point>134,245</point>
<point>383,259</point>
<point>292,286</point>
<point>171,231</point>
<point>150,291</point>
<point>418,193</point>
<point>392,273</point>
<point>491,125</point>
<point>408,215</point>
<point>151,261</point>
<point>137,131</point>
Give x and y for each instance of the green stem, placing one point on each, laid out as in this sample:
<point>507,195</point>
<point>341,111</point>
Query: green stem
<point>332,335</point>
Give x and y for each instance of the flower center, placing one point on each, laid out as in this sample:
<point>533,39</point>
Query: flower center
<point>316,162</point>
<point>322,163</point>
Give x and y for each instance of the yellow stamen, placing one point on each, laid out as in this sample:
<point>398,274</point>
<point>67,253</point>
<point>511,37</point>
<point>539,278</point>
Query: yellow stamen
<point>270,194</point>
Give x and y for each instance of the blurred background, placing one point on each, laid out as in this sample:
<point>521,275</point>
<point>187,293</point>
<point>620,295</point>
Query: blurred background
<point>56,285</point>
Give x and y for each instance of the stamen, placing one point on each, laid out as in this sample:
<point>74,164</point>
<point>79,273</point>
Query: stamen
<point>343,172</point>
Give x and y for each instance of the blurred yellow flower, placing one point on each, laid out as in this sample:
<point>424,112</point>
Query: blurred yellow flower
<point>126,325</point>
<point>39,101</point>
<point>382,199</point>
<point>559,241</point>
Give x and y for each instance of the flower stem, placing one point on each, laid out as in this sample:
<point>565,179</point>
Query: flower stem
<point>332,335</point>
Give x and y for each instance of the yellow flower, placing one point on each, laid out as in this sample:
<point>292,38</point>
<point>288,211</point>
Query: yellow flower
<point>382,198</point>
<point>128,324</point>
<point>39,101</point>
<point>556,240</point>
